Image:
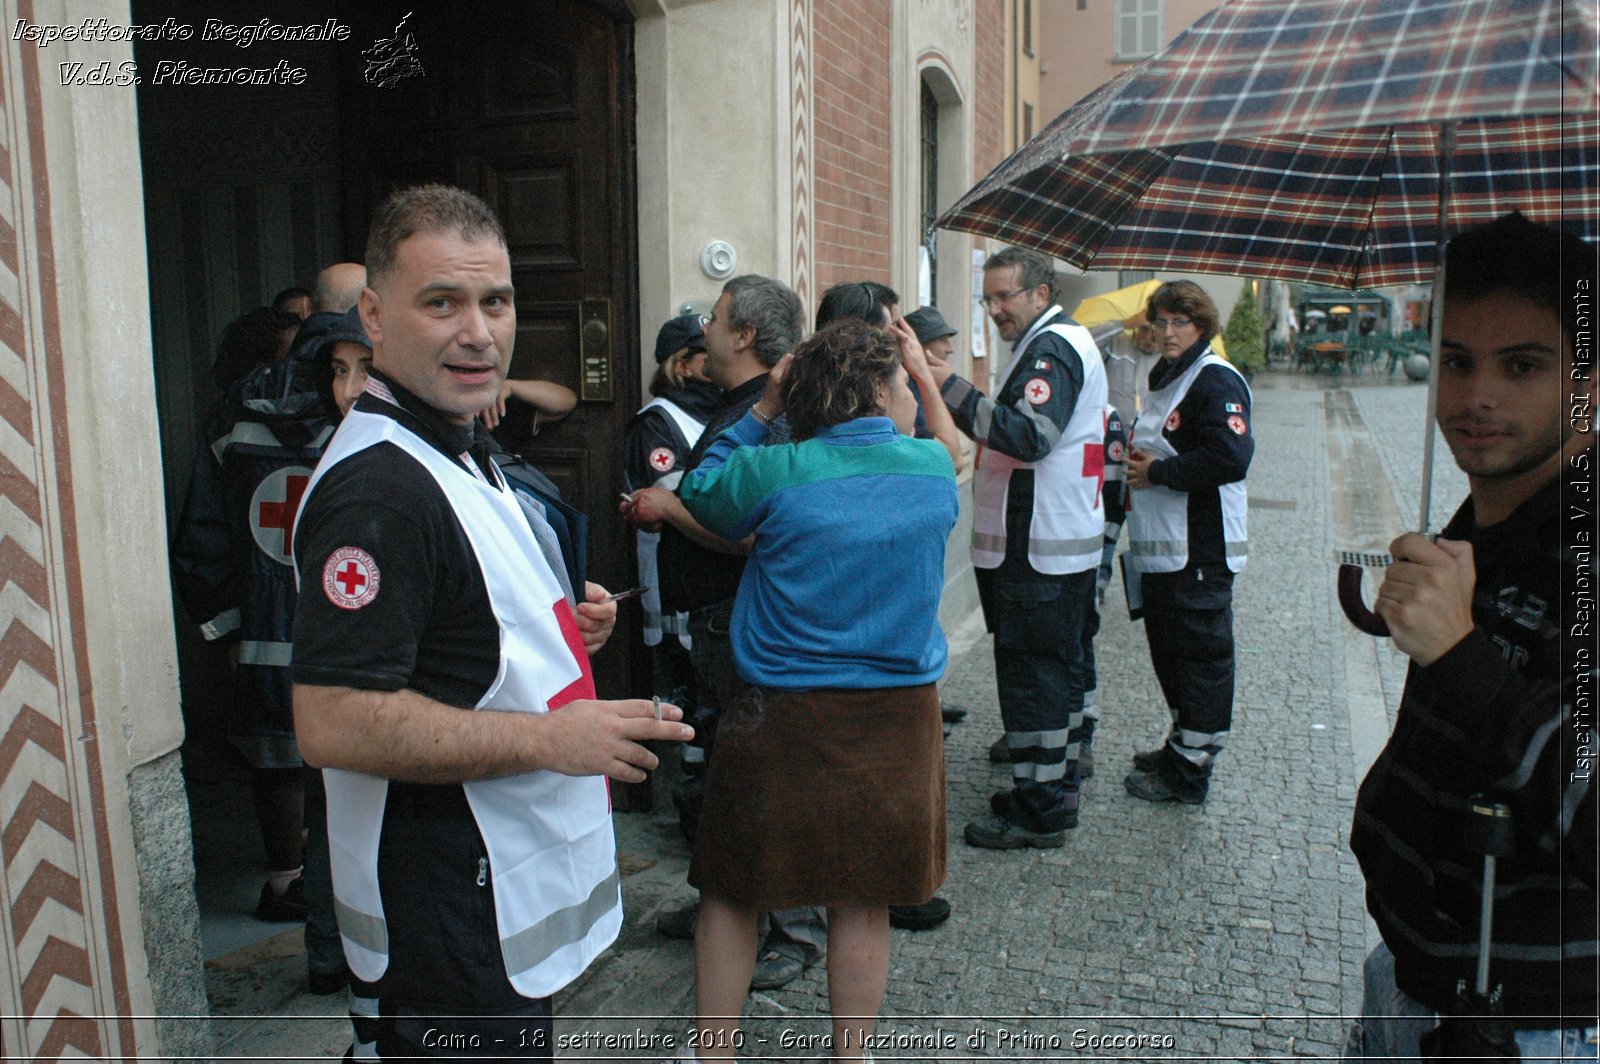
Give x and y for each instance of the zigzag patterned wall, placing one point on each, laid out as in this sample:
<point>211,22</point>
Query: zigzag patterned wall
<point>801,167</point>
<point>63,984</point>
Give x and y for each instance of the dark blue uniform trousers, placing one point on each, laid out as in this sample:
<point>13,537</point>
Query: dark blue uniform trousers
<point>1188,619</point>
<point>1038,623</point>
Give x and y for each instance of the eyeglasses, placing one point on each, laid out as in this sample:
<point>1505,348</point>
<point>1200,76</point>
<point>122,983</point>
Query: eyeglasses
<point>1163,324</point>
<point>990,302</point>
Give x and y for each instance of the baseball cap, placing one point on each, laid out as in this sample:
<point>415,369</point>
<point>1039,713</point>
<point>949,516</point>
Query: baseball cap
<point>679,333</point>
<point>929,324</point>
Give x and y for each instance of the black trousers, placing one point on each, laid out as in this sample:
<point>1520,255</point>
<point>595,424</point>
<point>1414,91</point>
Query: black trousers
<point>1188,619</point>
<point>445,994</point>
<point>1038,623</point>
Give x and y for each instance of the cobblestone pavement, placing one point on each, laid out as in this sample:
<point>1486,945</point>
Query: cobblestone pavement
<point>1228,931</point>
<point>1233,930</point>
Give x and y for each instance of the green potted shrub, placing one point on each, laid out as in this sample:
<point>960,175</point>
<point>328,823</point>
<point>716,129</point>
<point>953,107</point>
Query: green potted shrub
<point>1246,335</point>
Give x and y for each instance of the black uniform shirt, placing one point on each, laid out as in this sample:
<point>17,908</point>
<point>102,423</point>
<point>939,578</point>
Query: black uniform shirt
<point>429,627</point>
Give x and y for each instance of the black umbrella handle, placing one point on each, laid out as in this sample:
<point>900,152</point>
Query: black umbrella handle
<point>1354,608</point>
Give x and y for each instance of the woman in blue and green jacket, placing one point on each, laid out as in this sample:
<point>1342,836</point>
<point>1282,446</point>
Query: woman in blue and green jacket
<point>827,786</point>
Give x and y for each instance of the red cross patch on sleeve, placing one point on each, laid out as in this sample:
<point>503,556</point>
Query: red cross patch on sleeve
<point>1037,391</point>
<point>1236,423</point>
<point>1173,422</point>
<point>350,578</point>
<point>662,459</point>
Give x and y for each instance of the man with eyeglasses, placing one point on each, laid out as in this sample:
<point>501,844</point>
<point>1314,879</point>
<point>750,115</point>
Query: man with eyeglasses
<point>1036,538</point>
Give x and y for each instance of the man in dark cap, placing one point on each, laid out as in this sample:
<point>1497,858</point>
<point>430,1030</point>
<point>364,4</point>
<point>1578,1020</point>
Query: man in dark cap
<point>933,332</point>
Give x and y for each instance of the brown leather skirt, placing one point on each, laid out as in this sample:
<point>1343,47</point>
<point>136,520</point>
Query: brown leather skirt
<point>826,797</point>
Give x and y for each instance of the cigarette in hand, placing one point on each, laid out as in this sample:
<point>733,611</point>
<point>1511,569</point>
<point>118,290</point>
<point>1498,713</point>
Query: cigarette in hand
<point>632,592</point>
<point>655,706</point>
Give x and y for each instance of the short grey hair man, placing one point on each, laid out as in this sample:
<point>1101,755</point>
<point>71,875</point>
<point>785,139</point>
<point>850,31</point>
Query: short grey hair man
<point>772,309</point>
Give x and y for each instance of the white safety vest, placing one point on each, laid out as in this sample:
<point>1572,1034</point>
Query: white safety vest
<point>1158,517</point>
<point>1068,523</point>
<point>649,543</point>
<point>557,893</point>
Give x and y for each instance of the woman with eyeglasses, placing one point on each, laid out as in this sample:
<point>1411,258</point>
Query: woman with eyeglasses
<point>1190,450</point>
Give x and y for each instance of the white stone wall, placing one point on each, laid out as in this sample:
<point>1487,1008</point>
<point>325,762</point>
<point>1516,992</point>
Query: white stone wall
<point>88,682</point>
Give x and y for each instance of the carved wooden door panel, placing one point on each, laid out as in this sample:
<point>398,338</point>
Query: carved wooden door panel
<point>530,106</point>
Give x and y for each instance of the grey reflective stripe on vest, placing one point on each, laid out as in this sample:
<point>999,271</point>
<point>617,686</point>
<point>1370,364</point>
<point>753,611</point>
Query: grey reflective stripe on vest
<point>1159,547</point>
<point>1046,548</point>
<point>533,945</point>
<point>988,541</point>
<point>253,433</point>
<point>365,930</point>
<point>261,652</point>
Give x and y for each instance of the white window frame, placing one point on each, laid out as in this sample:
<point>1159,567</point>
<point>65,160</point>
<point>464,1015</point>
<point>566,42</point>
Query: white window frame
<point>1139,29</point>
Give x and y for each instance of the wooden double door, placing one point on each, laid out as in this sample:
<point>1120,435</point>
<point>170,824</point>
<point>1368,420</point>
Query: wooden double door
<point>250,190</point>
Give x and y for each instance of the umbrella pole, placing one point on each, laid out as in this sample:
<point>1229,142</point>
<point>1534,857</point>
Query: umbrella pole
<point>1349,585</point>
<point>1447,147</point>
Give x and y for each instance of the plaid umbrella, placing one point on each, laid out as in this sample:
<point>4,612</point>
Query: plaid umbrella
<point>1331,141</point>
<point>1301,139</point>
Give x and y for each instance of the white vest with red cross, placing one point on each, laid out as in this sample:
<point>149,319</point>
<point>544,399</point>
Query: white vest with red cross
<point>1068,525</point>
<point>557,894</point>
<point>650,542</point>
<point>1158,517</point>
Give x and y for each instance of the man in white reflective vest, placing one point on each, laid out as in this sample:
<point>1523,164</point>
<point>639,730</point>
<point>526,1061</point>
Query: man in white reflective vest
<point>1190,450</point>
<point>442,673</point>
<point>1037,533</point>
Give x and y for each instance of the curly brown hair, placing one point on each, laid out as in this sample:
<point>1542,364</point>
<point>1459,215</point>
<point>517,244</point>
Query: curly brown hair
<point>835,376</point>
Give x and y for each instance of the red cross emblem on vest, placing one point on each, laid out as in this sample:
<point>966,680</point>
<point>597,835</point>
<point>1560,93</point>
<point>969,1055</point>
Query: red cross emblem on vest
<point>1094,462</point>
<point>662,459</point>
<point>1037,391</point>
<point>273,507</point>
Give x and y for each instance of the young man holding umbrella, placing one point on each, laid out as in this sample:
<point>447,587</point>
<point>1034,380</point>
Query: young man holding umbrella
<point>1496,617</point>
